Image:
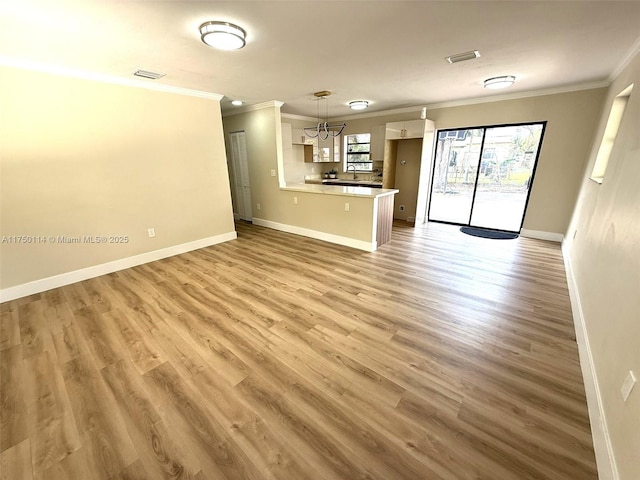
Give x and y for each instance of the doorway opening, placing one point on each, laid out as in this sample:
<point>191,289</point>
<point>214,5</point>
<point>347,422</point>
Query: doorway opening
<point>482,176</point>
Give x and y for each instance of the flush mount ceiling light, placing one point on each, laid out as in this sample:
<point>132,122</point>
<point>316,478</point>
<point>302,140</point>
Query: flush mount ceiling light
<point>358,104</point>
<point>236,103</point>
<point>323,130</point>
<point>223,35</point>
<point>499,82</point>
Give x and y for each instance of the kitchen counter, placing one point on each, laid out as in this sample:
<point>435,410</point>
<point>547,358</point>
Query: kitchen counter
<point>345,182</point>
<point>349,191</point>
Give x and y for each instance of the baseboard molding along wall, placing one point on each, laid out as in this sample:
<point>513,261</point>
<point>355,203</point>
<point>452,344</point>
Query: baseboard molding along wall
<point>539,235</point>
<point>327,237</point>
<point>605,459</point>
<point>68,278</point>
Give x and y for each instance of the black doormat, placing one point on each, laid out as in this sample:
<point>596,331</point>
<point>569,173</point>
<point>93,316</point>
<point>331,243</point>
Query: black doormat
<point>484,233</point>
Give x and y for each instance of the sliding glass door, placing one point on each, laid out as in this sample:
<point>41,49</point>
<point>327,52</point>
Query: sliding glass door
<point>482,175</point>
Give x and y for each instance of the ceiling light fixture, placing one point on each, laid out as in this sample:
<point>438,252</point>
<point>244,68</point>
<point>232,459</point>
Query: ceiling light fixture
<point>236,103</point>
<point>223,35</point>
<point>499,82</point>
<point>323,130</point>
<point>358,104</point>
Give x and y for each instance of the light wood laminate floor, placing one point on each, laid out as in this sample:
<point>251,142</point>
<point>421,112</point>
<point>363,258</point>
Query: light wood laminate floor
<point>440,356</point>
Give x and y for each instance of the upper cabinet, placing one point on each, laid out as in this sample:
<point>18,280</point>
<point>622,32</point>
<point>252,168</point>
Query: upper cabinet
<point>408,129</point>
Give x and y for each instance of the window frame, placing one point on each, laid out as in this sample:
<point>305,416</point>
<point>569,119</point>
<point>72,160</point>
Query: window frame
<point>616,114</point>
<point>347,162</point>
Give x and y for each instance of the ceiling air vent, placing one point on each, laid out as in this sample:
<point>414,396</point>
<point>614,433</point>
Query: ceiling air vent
<point>461,57</point>
<point>146,74</point>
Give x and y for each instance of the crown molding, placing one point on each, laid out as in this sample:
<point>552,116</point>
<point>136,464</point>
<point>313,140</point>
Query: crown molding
<point>292,116</point>
<point>518,95</point>
<point>380,113</point>
<point>25,64</point>
<point>253,108</point>
<point>626,60</point>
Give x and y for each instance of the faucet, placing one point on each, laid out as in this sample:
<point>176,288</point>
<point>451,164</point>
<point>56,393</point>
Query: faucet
<point>354,171</point>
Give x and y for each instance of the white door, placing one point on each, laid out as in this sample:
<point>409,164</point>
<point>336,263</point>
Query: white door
<point>240,183</point>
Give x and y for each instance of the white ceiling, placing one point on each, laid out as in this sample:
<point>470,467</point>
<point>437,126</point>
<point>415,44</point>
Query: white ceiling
<point>388,52</point>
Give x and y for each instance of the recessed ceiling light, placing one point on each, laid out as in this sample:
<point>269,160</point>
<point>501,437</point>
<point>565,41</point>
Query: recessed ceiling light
<point>499,82</point>
<point>237,103</point>
<point>358,104</point>
<point>461,57</point>
<point>223,35</point>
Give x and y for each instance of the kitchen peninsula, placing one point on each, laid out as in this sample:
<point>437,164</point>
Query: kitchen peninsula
<point>374,203</point>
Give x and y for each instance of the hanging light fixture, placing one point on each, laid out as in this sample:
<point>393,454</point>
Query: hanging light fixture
<point>223,35</point>
<point>499,82</point>
<point>358,104</point>
<point>323,130</point>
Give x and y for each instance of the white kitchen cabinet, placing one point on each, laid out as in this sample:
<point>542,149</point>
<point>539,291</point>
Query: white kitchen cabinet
<point>408,129</point>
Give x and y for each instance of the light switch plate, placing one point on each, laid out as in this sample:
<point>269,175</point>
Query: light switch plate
<point>627,385</point>
<point>151,232</point>
<point>273,172</point>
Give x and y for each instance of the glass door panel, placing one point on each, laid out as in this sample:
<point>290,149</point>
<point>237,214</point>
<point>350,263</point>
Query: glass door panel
<point>506,168</point>
<point>454,177</point>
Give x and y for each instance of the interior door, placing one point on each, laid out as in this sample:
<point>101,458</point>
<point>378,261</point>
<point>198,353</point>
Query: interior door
<point>482,176</point>
<point>241,185</point>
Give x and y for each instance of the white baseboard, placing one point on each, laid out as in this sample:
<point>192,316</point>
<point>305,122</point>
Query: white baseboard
<point>327,237</point>
<point>539,235</point>
<point>68,278</point>
<point>605,459</point>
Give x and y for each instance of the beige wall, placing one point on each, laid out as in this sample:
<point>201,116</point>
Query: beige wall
<point>317,212</point>
<point>81,157</point>
<point>572,120</point>
<point>606,267</point>
<point>407,176</point>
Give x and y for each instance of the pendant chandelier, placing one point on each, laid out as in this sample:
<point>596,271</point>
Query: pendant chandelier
<point>323,130</point>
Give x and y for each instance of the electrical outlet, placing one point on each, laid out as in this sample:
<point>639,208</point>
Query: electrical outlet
<point>273,172</point>
<point>346,207</point>
<point>313,169</point>
<point>258,206</point>
<point>151,232</point>
<point>627,385</point>
<point>295,200</point>
<point>401,208</point>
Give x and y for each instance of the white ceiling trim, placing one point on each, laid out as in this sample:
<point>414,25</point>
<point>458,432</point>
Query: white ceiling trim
<point>25,64</point>
<point>518,95</point>
<point>379,113</point>
<point>631,54</point>
<point>293,116</point>
<point>257,106</point>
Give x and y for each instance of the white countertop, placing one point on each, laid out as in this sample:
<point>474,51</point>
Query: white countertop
<point>340,190</point>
